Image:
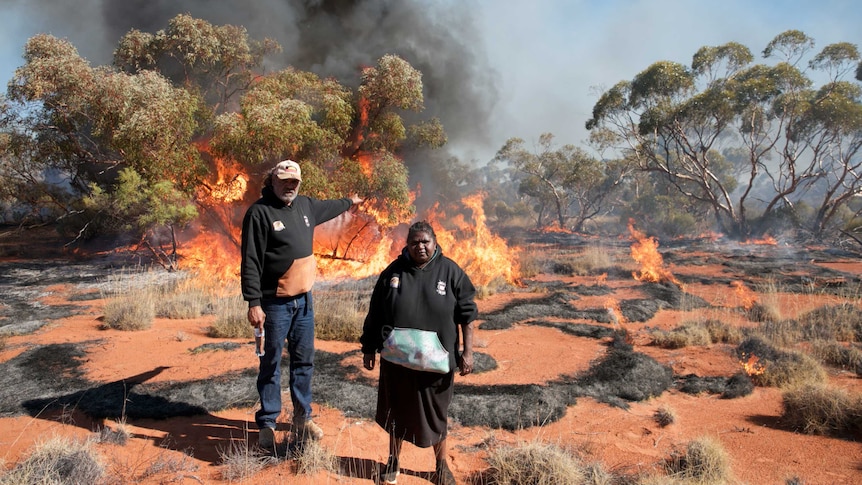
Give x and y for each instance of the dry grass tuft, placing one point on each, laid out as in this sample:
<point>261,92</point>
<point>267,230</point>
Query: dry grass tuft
<point>241,461</point>
<point>119,435</point>
<point>339,314</point>
<point>664,416</point>
<point>312,457</point>
<point>818,409</point>
<point>683,336</point>
<point>837,354</point>
<point>534,462</point>
<point>704,461</point>
<point>231,319</point>
<point>699,332</point>
<point>131,312</point>
<point>57,461</point>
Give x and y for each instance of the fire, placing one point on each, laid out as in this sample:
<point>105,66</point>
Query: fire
<point>357,244</point>
<point>747,297</point>
<point>485,257</point>
<point>211,246</point>
<point>555,229</point>
<point>766,240</point>
<point>752,365</point>
<point>644,250</point>
<point>601,279</point>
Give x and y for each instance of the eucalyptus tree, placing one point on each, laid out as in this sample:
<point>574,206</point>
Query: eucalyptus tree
<point>77,126</point>
<point>566,183</point>
<point>791,142</point>
<point>152,122</point>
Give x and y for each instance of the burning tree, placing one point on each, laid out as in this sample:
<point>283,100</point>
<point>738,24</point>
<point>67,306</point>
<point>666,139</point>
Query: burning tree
<point>747,138</point>
<point>186,117</point>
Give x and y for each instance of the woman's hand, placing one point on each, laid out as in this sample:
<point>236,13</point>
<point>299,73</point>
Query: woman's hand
<point>465,363</point>
<point>368,361</point>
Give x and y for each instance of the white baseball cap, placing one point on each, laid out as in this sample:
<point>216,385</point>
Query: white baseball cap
<point>288,169</point>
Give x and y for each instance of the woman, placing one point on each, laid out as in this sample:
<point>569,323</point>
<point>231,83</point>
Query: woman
<point>418,306</point>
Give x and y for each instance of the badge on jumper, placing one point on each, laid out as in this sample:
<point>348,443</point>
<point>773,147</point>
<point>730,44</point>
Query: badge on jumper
<point>394,281</point>
<point>441,288</point>
<point>278,226</point>
<point>305,218</point>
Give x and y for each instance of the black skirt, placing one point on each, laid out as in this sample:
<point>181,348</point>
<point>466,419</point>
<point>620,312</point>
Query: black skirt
<point>413,405</point>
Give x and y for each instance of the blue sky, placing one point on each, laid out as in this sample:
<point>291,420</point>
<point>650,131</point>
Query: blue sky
<point>551,56</point>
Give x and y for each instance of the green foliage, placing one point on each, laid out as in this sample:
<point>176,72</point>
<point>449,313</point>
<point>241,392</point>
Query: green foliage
<point>218,61</point>
<point>565,182</point>
<point>790,143</point>
<point>135,205</point>
<point>127,140</point>
<point>289,114</point>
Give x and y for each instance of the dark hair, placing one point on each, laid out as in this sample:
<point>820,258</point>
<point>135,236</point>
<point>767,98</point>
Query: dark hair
<point>421,226</point>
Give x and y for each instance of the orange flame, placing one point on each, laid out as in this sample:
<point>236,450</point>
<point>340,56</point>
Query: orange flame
<point>644,250</point>
<point>752,365</point>
<point>555,229</point>
<point>601,279</point>
<point>766,240</point>
<point>747,297</point>
<point>212,252</point>
<point>485,257</point>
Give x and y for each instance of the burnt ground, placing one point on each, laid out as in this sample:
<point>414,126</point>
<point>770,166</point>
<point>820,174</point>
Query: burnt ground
<point>50,376</point>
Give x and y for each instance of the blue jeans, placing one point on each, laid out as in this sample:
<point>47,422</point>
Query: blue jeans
<point>291,320</point>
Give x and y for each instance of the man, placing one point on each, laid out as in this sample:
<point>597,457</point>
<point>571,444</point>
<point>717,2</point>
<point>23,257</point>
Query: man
<point>277,273</point>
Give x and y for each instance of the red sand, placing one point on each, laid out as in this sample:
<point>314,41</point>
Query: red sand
<point>623,441</point>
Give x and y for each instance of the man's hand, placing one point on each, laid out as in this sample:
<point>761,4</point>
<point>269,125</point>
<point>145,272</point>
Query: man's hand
<point>356,200</point>
<point>368,361</point>
<point>256,316</point>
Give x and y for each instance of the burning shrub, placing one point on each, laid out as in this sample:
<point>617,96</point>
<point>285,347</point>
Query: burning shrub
<point>780,368</point>
<point>817,409</point>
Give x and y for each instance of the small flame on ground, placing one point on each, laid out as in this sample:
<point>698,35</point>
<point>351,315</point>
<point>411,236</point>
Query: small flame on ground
<point>747,297</point>
<point>555,229</point>
<point>644,250</point>
<point>751,365</point>
<point>766,240</point>
<point>601,279</point>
